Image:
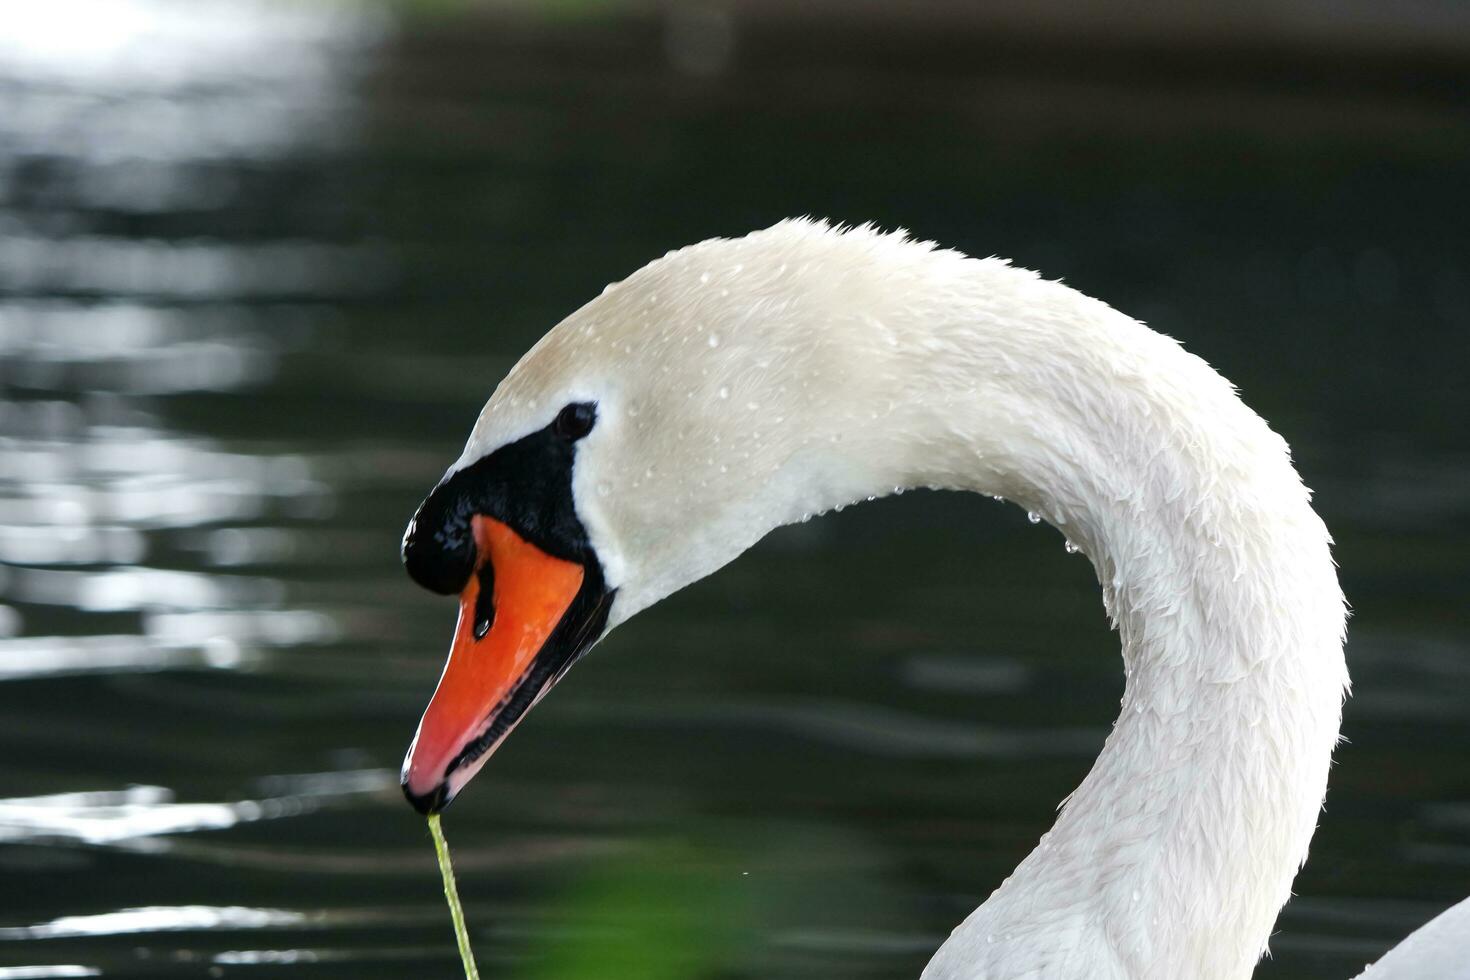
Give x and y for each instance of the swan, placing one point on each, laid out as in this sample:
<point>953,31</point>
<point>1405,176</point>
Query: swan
<point>738,385</point>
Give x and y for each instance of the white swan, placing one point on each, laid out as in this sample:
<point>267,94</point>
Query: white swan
<point>739,385</point>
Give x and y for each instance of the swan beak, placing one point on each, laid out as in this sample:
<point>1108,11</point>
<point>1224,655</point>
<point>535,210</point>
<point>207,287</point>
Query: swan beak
<point>512,642</point>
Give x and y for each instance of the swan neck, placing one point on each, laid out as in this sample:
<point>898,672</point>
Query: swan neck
<point>1175,854</point>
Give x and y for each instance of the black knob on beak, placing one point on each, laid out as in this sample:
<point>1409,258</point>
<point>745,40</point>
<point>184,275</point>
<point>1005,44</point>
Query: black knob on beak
<point>439,545</point>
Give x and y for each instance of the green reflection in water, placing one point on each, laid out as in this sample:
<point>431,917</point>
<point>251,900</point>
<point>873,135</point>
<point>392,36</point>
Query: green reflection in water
<point>719,901</point>
<point>669,914</point>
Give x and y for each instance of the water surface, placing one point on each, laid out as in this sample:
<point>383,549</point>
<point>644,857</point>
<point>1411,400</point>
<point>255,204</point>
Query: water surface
<point>260,266</point>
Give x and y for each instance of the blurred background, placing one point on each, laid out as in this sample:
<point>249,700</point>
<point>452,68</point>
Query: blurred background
<point>262,262</point>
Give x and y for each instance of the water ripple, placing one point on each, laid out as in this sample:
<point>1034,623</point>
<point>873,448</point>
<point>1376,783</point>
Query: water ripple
<point>216,918</point>
<point>865,728</point>
<point>136,587</point>
<point>57,656</point>
<point>157,918</point>
<point>110,817</point>
<point>99,265</point>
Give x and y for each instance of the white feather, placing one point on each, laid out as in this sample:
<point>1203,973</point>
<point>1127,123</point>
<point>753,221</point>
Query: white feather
<point>743,384</point>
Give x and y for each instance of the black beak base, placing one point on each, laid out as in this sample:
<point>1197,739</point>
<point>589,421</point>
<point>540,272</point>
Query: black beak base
<point>429,803</point>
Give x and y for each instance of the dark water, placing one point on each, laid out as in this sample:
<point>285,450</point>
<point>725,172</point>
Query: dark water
<point>260,266</point>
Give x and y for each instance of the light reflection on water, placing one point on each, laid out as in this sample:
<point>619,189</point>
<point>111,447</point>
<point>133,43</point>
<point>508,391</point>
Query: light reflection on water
<point>120,589</point>
<point>292,957</point>
<point>157,919</point>
<point>203,918</point>
<point>57,656</point>
<point>268,79</point>
<point>209,270</point>
<point>139,812</point>
<point>111,475</point>
<point>70,545</point>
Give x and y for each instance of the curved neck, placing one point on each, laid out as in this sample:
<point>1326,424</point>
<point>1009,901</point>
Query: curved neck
<point>1177,851</point>
<point>802,367</point>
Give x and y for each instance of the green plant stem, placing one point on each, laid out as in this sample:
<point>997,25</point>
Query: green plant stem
<point>451,894</point>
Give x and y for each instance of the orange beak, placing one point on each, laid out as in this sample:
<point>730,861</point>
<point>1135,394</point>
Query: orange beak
<point>504,658</point>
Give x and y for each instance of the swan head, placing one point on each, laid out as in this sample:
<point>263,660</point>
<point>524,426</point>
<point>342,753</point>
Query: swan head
<point>647,440</point>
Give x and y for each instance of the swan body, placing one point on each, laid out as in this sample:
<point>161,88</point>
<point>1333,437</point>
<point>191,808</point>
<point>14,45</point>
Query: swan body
<point>1437,950</point>
<point>739,385</point>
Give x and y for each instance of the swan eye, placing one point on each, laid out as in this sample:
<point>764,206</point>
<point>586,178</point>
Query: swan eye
<point>575,421</point>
